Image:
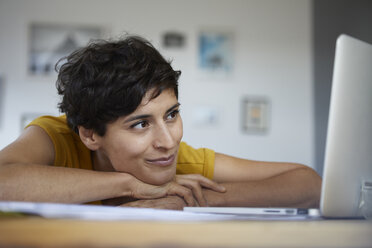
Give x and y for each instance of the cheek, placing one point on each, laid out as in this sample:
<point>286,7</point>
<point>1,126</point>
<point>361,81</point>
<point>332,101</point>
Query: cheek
<point>124,150</point>
<point>178,131</point>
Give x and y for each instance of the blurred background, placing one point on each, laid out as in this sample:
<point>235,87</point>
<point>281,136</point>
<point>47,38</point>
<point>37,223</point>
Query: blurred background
<point>256,74</point>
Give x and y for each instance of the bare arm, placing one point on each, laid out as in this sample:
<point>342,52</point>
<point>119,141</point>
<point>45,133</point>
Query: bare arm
<point>264,184</point>
<point>26,175</point>
<point>168,202</point>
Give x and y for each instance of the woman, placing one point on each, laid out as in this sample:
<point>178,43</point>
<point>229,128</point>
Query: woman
<point>120,143</point>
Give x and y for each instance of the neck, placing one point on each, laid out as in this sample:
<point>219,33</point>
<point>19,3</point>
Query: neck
<point>101,162</point>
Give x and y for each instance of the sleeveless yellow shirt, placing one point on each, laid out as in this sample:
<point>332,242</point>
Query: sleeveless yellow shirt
<point>71,152</point>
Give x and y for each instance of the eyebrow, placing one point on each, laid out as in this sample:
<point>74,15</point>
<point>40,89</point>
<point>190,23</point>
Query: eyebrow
<point>139,117</point>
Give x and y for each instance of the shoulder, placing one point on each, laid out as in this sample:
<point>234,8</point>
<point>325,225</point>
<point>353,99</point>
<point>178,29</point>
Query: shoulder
<point>188,154</point>
<point>69,151</point>
<point>33,146</point>
<point>57,129</point>
<point>195,161</point>
<point>39,142</point>
<point>51,123</point>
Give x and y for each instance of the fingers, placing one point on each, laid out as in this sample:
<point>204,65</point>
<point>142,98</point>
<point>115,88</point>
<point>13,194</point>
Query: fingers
<point>141,190</point>
<point>189,187</point>
<point>205,182</point>
<point>195,183</point>
<point>184,192</point>
<point>196,189</point>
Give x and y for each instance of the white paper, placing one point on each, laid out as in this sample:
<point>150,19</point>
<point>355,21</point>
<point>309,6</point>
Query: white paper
<point>109,213</point>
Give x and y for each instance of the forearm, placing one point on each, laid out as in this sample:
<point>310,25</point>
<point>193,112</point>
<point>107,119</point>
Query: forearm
<point>295,188</point>
<point>169,202</point>
<point>27,182</point>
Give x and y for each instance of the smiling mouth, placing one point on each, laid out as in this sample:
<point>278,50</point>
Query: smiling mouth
<point>165,161</point>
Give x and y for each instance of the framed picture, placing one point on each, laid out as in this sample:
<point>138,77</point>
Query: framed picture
<point>48,43</point>
<point>173,39</point>
<point>255,115</point>
<point>215,51</point>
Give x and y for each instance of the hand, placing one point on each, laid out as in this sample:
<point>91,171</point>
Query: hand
<point>168,202</point>
<point>189,187</point>
<point>196,183</point>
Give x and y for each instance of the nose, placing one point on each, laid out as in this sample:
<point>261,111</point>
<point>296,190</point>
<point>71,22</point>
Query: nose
<point>163,137</point>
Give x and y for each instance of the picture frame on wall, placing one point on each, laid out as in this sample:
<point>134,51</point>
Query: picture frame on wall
<point>256,115</point>
<point>215,52</point>
<point>49,42</point>
<point>173,40</point>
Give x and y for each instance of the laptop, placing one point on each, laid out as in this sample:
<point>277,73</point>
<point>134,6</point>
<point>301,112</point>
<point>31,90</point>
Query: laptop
<point>348,155</point>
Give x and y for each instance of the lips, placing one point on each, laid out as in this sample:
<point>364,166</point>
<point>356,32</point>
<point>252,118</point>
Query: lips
<point>164,161</point>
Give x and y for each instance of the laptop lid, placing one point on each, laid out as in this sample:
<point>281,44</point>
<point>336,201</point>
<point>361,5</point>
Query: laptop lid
<point>348,155</point>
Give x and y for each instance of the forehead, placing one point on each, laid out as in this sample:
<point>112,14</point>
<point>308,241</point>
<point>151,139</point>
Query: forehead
<point>165,97</point>
<point>150,107</point>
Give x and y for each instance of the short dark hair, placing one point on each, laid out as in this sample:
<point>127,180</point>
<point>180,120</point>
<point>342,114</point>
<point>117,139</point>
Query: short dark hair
<point>108,79</point>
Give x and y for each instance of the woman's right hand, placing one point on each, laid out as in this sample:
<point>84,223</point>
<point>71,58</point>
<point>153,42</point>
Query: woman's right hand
<point>189,187</point>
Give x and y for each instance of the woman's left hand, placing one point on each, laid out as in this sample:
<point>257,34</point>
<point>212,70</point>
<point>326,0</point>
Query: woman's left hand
<point>196,183</point>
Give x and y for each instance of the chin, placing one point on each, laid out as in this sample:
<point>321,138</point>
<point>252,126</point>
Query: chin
<point>160,179</point>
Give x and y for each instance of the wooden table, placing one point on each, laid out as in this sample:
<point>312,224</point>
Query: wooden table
<point>40,232</point>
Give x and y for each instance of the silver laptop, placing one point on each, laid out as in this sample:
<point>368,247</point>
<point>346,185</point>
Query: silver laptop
<point>348,155</point>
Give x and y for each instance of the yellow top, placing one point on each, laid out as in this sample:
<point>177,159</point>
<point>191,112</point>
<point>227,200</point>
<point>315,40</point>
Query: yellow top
<point>71,152</point>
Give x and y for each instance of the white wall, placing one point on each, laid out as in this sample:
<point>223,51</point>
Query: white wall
<point>272,58</point>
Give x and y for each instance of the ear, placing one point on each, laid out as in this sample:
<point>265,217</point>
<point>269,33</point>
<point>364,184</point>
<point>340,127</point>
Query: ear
<point>89,138</point>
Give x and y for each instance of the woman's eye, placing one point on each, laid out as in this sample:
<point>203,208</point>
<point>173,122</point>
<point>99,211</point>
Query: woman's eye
<point>140,125</point>
<point>172,115</point>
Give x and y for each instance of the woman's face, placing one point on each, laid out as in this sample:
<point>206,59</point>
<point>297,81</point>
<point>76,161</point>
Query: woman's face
<point>145,143</point>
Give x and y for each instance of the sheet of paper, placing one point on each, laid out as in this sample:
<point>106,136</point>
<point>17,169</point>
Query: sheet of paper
<point>109,213</point>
